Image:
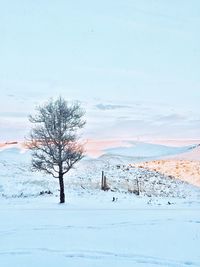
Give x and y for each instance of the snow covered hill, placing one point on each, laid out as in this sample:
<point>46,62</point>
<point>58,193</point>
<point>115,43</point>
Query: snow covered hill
<point>17,179</point>
<point>148,150</point>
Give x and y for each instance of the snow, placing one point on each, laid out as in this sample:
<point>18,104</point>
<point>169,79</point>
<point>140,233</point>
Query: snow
<point>145,150</point>
<point>185,170</point>
<point>94,231</point>
<point>17,180</point>
<point>160,227</point>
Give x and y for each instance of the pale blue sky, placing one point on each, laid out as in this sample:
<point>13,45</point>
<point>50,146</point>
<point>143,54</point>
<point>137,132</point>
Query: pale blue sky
<point>144,55</point>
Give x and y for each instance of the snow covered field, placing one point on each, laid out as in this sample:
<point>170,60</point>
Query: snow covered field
<point>93,231</point>
<point>161,227</point>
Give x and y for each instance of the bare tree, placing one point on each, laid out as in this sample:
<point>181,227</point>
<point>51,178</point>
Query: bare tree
<point>54,139</point>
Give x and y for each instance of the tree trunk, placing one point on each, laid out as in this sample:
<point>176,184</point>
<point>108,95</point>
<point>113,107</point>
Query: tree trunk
<point>62,189</point>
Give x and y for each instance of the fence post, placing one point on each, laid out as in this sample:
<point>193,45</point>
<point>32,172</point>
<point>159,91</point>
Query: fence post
<point>102,181</point>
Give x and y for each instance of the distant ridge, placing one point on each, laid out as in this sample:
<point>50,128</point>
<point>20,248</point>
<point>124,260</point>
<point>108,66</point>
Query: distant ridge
<point>148,150</point>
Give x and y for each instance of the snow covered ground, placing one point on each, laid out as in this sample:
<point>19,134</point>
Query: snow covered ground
<point>93,231</point>
<point>161,227</point>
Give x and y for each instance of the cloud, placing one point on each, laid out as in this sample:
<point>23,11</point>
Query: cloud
<point>172,118</point>
<point>110,106</point>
